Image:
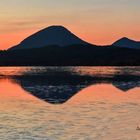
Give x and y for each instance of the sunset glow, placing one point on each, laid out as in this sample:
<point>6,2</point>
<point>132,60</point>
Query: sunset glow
<point>96,21</point>
<point>92,93</point>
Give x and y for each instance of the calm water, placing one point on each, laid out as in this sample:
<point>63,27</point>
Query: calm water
<point>69,103</point>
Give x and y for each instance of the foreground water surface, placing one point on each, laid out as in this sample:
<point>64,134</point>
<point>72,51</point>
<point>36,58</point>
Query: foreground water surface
<point>69,103</point>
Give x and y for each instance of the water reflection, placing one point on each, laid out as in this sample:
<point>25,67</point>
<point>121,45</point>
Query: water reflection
<point>93,103</point>
<point>62,91</point>
<point>11,93</point>
<point>55,93</point>
<point>104,93</point>
<point>56,85</point>
<point>99,111</point>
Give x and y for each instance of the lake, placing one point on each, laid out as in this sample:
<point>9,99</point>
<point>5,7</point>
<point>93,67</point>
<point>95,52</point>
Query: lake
<point>69,103</point>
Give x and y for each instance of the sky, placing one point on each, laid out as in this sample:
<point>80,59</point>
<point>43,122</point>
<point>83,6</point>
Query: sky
<point>99,22</point>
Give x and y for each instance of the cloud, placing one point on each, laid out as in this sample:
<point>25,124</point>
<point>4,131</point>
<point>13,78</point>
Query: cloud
<point>36,22</point>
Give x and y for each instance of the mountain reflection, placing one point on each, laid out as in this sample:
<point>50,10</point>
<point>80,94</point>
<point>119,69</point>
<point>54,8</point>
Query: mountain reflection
<point>56,90</point>
<point>58,85</point>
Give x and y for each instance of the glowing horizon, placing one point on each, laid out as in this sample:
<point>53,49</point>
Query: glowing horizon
<point>99,22</point>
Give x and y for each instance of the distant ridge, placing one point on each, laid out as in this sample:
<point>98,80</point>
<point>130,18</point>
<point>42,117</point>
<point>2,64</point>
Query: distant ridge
<point>127,43</point>
<point>53,35</point>
<point>57,46</point>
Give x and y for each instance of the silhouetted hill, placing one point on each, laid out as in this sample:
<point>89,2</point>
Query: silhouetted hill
<point>53,35</point>
<point>127,43</point>
<point>74,55</point>
<point>57,46</point>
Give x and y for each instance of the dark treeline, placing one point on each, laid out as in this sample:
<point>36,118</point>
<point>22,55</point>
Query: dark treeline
<point>75,55</point>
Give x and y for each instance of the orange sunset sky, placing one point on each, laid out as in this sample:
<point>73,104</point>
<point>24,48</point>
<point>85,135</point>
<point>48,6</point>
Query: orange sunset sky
<point>99,22</point>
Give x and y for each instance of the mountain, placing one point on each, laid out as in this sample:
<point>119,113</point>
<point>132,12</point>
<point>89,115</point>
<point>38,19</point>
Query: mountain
<point>53,35</point>
<point>57,46</point>
<point>74,55</point>
<point>127,43</point>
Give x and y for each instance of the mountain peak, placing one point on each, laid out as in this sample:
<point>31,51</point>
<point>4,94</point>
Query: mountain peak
<point>56,27</point>
<point>124,38</point>
<point>127,43</point>
<point>52,35</point>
